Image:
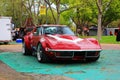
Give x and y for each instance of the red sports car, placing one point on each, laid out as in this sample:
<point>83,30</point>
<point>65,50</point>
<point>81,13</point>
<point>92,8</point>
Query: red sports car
<point>58,42</point>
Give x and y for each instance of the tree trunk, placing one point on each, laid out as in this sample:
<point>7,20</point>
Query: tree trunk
<point>58,14</point>
<point>49,4</point>
<point>99,32</point>
<point>58,11</point>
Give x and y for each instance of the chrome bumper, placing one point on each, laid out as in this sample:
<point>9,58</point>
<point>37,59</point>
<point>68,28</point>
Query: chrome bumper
<point>55,50</point>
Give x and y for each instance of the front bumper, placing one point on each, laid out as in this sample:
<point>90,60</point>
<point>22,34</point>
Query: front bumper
<point>75,53</point>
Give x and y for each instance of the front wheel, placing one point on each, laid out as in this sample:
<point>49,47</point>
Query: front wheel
<point>41,56</point>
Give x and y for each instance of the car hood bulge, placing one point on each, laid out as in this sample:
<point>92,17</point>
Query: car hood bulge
<point>70,42</point>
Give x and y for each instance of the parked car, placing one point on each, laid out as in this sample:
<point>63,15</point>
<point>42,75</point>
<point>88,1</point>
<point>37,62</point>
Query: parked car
<point>58,42</point>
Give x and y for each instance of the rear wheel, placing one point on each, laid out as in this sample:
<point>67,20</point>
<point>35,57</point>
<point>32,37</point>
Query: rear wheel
<point>41,56</point>
<point>25,50</point>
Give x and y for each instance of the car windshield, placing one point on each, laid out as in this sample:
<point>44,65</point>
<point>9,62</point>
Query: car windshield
<point>57,30</point>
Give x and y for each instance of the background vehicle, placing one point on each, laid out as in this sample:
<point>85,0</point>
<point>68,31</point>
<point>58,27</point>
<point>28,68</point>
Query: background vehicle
<point>5,29</point>
<point>58,42</point>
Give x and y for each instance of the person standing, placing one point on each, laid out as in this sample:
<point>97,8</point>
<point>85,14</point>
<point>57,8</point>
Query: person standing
<point>118,34</point>
<point>110,33</point>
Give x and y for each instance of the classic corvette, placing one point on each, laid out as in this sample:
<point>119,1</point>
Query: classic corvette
<point>58,42</point>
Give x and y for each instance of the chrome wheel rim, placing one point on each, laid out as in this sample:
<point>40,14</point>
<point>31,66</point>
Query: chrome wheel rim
<point>39,51</point>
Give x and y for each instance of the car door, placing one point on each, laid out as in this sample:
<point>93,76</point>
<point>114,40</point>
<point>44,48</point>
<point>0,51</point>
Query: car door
<point>36,37</point>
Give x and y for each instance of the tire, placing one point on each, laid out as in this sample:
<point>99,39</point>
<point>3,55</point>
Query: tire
<point>41,56</point>
<point>25,50</point>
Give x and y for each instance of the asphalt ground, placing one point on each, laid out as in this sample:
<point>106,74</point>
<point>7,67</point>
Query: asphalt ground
<point>106,68</point>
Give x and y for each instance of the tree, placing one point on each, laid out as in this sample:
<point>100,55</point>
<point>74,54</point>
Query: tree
<point>99,5</point>
<point>82,14</point>
<point>32,8</point>
<point>106,14</point>
<point>61,6</point>
<point>11,9</point>
<point>112,13</point>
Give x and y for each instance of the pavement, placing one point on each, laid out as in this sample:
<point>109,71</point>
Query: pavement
<point>110,46</point>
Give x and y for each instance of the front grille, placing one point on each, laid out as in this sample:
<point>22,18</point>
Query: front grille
<point>66,54</point>
<point>92,53</point>
<point>71,54</point>
<point>79,53</point>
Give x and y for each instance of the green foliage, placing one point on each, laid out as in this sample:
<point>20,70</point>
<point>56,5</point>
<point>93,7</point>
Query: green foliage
<point>111,13</point>
<point>11,9</point>
<point>82,13</point>
<point>78,11</point>
<point>43,19</point>
<point>66,15</point>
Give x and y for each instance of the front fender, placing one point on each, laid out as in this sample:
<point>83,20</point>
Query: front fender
<point>45,43</point>
<point>95,41</point>
<point>27,42</point>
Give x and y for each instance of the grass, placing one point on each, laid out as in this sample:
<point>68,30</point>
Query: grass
<point>109,40</point>
<point>106,39</point>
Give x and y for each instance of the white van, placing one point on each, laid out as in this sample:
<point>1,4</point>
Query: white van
<point>5,29</point>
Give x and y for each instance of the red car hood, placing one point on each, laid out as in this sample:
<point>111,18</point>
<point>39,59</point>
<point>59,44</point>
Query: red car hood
<point>68,42</point>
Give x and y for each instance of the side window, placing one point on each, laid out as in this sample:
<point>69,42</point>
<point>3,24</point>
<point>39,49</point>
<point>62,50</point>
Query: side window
<point>38,32</point>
